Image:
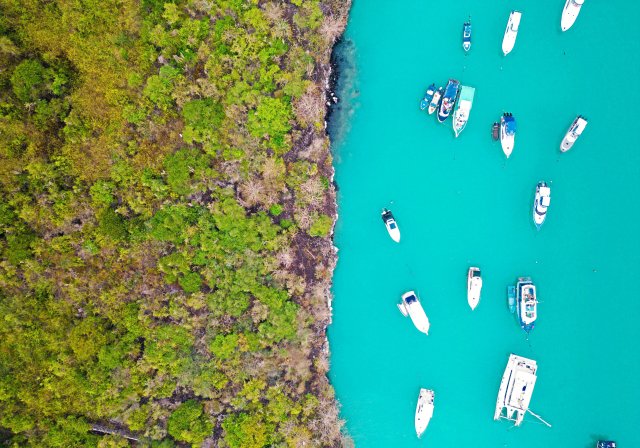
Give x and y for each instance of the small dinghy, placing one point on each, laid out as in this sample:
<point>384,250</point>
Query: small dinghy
<point>411,306</point>
<point>495,131</point>
<point>466,36</point>
<point>390,223</point>
<point>541,203</point>
<point>474,287</point>
<point>428,96</point>
<point>511,298</point>
<point>435,101</point>
<point>510,34</point>
<point>424,410</point>
<point>507,133</point>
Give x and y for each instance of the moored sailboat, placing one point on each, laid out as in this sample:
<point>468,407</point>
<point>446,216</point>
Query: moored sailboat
<point>570,13</point>
<point>435,101</point>
<point>507,133</point>
<point>463,109</point>
<point>424,410</point>
<point>411,306</point>
<point>510,34</point>
<point>448,100</point>
<point>474,287</point>
<point>516,389</point>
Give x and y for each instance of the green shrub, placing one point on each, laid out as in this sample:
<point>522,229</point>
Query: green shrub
<point>191,282</point>
<point>321,226</point>
<point>188,423</point>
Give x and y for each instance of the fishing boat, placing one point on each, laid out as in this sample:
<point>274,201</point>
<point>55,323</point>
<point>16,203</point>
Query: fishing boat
<point>411,306</point>
<point>526,304</point>
<point>424,410</point>
<point>466,35</point>
<point>516,389</point>
<point>507,133</point>
<point>463,109</point>
<point>391,225</point>
<point>541,203</point>
<point>435,101</point>
<point>448,100</point>
<point>510,34</point>
<point>570,13</point>
<point>606,444</point>
<point>511,298</point>
<point>474,287</point>
<point>428,96</point>
<point>575,130</point>
<point>495,131</point>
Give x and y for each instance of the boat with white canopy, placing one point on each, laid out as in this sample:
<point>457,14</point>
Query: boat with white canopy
<point>424,410</point>
<point>510,34</point>
<point>411,306</point>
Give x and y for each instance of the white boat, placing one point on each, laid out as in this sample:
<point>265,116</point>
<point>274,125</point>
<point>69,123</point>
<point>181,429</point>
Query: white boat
<point>507,133</point>
<point>474,287</point>
<point>435,101</point>
<point>541,203</point>
<point>391,225</point>
<point>570,13</point>
<point>573,133</point>
<point>516,389</point>
<point>463,109</point>
<point>424,410</point>
<point>510,34</point>
<point>411,306</point>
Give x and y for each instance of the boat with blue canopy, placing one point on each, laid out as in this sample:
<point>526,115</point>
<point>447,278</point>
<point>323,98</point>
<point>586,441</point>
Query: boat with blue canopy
<point>428,96</point>
<point>466,36</point>
<point>507,133</point>
<point>449,99</point>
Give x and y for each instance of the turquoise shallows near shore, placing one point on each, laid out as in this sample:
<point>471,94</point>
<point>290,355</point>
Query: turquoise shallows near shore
<point>459,203</point>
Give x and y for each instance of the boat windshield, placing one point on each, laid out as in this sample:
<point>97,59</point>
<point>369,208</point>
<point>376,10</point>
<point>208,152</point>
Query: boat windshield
<point>392,225</point>
<point>411,299</point>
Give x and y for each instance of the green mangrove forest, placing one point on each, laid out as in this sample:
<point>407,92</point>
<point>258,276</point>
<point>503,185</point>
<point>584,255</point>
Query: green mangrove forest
<point>166,216</point>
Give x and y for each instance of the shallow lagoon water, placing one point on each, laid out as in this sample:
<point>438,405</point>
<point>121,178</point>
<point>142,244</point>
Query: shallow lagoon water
<point>459,203</point>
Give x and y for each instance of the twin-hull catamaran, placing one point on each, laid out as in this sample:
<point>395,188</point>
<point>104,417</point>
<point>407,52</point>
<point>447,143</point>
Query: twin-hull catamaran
<point>570,13</point>
<point>510,34</point>
<point>516,389</point>
<point>411,306</point>
<point>463,109</point>
<point>424,410</point>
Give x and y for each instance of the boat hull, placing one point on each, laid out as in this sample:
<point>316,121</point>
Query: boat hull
<point>526,308</point>
<point>575,131</point>
<point>569,14</point>
<point>511,32</point>
<point>507,137</point>
<point>448,100</point>
<point>424,410</point>
<point>416,312</point>
<point>474,287</point>
<point>435,101</point>
<point>541,204</point>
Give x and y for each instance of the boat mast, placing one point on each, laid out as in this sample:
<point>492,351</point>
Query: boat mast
<point>538,417</point>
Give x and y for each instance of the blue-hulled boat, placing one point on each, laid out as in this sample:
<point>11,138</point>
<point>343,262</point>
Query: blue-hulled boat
<point>466,36</point>
<point>449,99</point>
<point>526,303</point>
<point>511,298</point>
<point>435,101</point>
<point>606,444</point>
<point>428,96</point>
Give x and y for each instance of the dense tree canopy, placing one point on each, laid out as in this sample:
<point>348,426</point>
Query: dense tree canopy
<point>165,212</point>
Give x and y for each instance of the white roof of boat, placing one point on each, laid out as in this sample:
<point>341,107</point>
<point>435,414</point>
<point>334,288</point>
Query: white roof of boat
<point>545,191</point>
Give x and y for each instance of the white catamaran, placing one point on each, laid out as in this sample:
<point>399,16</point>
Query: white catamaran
<point>463,109</point>
<point>510,34</point>
<point>410,306</point>
<point>570,13</point>
<point>424,410</point>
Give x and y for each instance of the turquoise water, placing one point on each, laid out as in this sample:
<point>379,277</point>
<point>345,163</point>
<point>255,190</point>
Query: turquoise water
<point>459,203</point>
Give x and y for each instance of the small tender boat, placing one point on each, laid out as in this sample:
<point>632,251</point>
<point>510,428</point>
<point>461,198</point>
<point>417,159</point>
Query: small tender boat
<point>466,36</point>
<point>570,13</point>
<point>424,410</point>
<point>526,303</point>
<point>448,100</point>
<point>463,109</point>
<point>428,96</point>
<point>541,203</point>
<point>516,389</point>
<point>435,101</point>
<point>495,131</point>
<point>390,223</point>
<point>411,306</point>
<point>507,133</point>
<point>573,133</point>
<point>511,298</point>
<point>510,34</point>
<point>606,444</point>
<point>474,287</point>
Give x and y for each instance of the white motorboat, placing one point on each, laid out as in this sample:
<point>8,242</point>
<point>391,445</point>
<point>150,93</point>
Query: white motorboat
<point>541,203</point>
<point>516,389</point>
<point>463,109</point>
<point>570,13</point>
<point>474,287</point>
<point>411,306</point>
<point>507,133</point>
<point>575,130</point>
<point>510,34</point>
<point>435,101</point>
<point>391,225</point>
<point>424,410</point>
